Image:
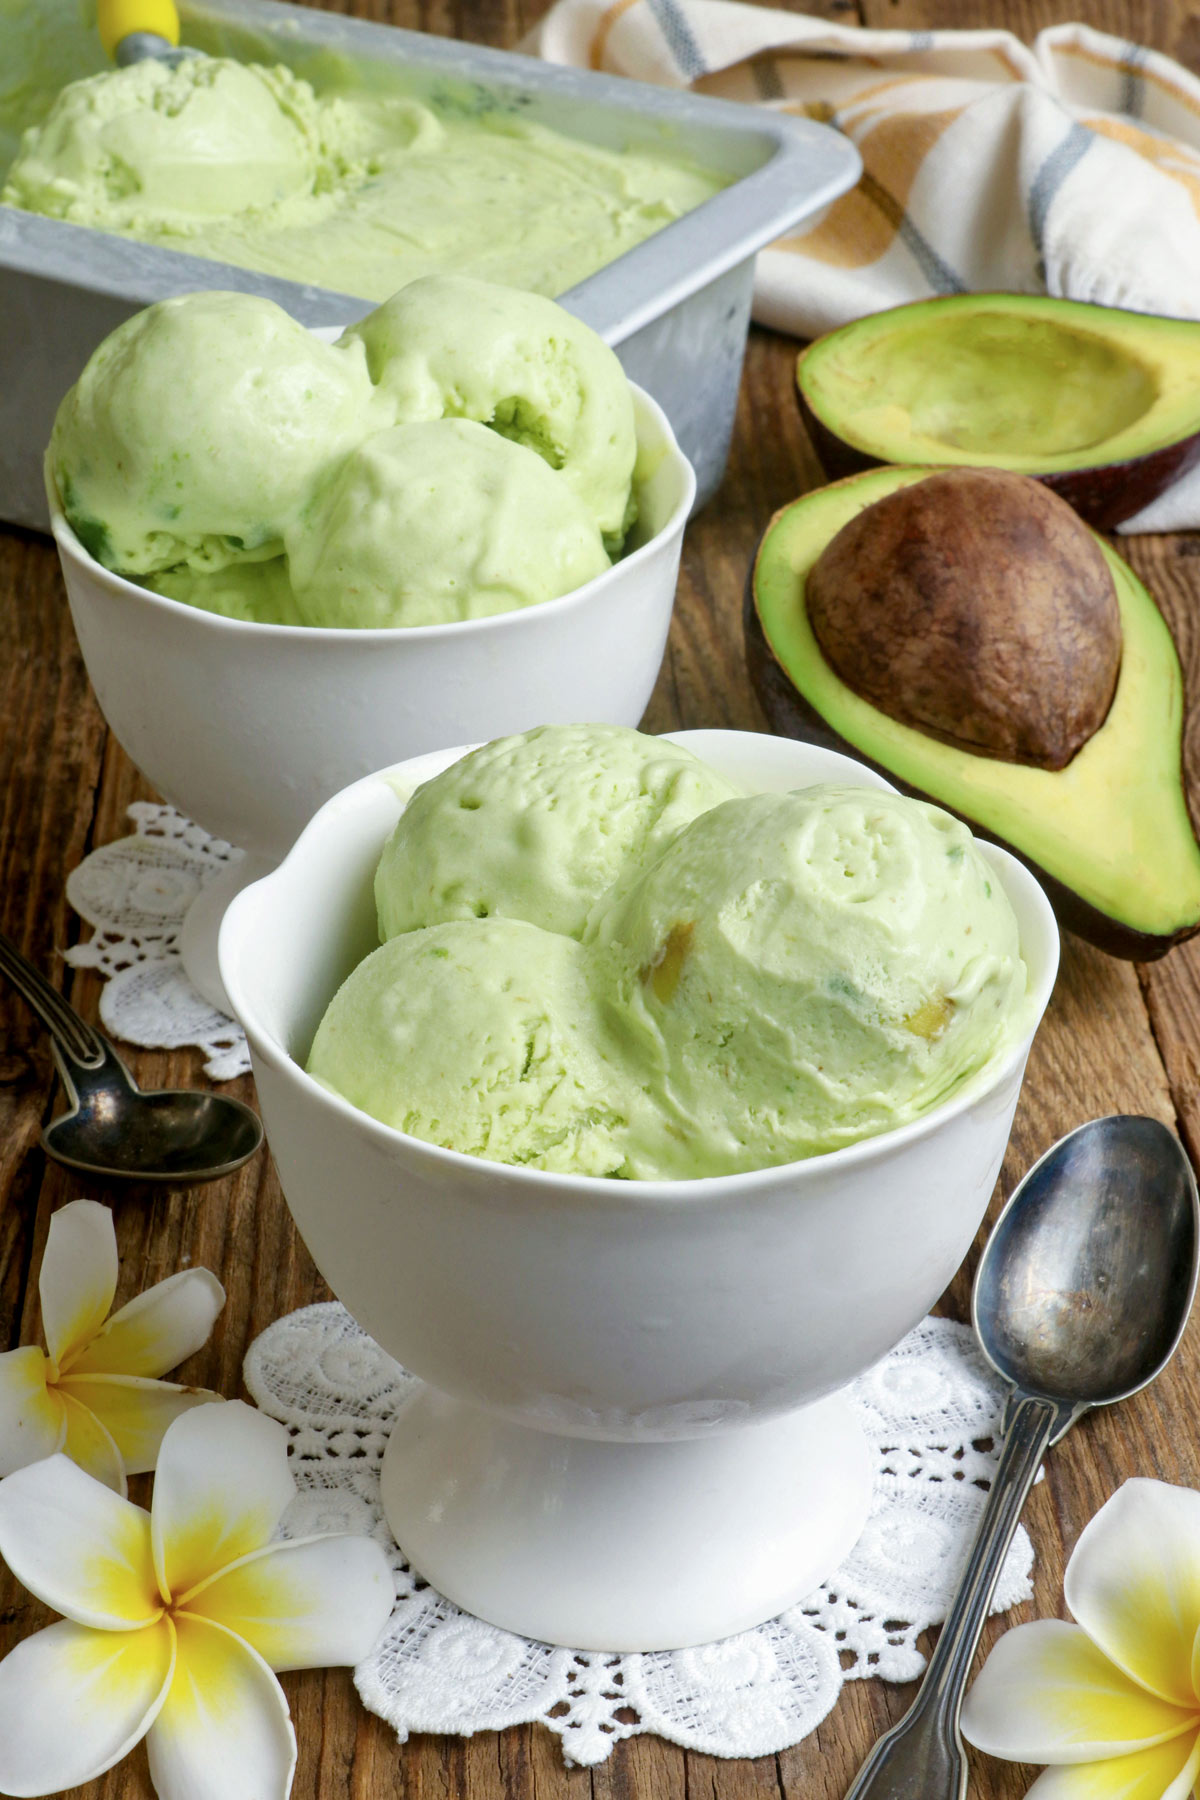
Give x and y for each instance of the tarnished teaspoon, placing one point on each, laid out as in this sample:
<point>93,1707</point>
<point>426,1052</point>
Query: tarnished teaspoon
<point>113,1127</point>
<point>1080,1299</point>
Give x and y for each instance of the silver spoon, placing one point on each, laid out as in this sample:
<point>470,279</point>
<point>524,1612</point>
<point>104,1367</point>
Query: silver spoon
<point>1080,1299</point>
<point>113,1127</point>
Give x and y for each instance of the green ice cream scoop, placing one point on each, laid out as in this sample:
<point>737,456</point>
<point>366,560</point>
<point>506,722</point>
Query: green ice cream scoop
<point>484,1038</point>
<point>425,524</point>
<point>198,430</point>
<point>800,971</point>
<point>170,147</point>
<point>539,827</point>
<point>450,346</point>
<point>258,592</point>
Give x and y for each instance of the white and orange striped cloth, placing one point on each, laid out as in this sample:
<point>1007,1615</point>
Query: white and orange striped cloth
<point>1071,168</point>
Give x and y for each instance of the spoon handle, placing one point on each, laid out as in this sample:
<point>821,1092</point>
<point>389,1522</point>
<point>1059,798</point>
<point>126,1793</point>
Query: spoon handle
<point>74,1039</point>
<point>922,1757</point>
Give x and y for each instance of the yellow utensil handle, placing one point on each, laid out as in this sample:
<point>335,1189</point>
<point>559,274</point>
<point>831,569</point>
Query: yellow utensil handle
<point>117,18</point>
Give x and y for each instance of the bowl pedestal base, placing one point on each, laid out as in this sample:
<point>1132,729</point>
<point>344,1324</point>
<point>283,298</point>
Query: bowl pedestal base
<point>602,1545</point>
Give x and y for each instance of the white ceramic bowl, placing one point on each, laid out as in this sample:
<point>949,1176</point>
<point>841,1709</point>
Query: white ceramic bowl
<point>626,1440</point>
<point>249,728</point>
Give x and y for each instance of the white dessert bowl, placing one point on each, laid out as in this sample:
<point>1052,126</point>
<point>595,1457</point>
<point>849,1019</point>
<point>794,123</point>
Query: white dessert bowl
<point>628,1432</point>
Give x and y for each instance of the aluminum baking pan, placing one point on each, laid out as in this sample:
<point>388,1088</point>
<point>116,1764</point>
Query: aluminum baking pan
<point>675,308</point>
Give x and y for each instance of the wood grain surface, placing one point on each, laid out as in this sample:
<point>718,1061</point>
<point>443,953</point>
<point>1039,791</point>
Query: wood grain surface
<point>1116,1038</point>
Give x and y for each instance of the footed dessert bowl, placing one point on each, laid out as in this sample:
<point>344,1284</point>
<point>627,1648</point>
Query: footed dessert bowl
<point>248,728</point>
<point>628,1433</point>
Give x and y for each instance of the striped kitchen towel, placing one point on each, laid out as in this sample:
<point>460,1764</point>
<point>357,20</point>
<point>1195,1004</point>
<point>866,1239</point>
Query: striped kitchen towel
<point>1071,167</point>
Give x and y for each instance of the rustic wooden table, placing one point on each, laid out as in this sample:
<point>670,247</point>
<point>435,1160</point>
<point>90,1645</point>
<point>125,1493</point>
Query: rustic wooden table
<point>1116,1038</point>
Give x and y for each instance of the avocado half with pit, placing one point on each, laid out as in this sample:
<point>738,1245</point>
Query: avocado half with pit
<point>1103,406</point>
<point>1108,832</point>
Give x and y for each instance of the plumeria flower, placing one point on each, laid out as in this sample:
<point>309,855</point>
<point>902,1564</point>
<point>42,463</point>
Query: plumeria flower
<point>94,1397</point>
<point>175,1618</point>
<point>1113,1701</point>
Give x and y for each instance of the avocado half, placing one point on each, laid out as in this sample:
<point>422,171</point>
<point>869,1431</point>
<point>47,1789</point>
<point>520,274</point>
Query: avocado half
<point>1101,405</point>
<point>1109,835</point>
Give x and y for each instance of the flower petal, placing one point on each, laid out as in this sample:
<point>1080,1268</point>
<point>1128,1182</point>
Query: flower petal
<point>157,1330</point>
<point>224,1732</point>
<point>73,1702</point>
<point>134,1411</point>
<point>304,1605</point>
<point>1133,1583</point>
<point>1047,1695</point>
<point>1167,1772</point>
<point>89,1445</point>
<point>79,1276</point>
<point>81,1549</point>
<point>221,1487</point>
<point>31,1416</point>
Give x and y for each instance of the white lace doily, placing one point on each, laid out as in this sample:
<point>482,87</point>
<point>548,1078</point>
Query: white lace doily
<point>135,893</point>
<point>931,1410</point>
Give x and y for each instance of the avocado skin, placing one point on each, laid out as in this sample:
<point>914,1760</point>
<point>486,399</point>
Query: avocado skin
<point>1104,497</point>
<point>789,714</point>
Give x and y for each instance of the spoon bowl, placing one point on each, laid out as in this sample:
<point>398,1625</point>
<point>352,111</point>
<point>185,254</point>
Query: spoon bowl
<point>169,1134</point>
<point>1087,1279</point>
<point>113,1129</point>
<point>1080,1299</point>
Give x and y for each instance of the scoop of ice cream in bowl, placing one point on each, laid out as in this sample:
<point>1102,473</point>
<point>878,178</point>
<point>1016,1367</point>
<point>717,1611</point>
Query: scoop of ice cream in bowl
<point>636,1094</point>
<point>291,561</point>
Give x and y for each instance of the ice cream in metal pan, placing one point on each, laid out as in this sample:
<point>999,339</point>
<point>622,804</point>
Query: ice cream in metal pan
<point>246,163</point>
<point>675,306</point>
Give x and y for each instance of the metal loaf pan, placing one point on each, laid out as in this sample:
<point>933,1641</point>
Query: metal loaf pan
<point>676,308</point>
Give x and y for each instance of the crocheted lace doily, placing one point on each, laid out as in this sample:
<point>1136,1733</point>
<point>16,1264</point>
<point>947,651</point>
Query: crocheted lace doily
<point>135,893</point>
<point>931,1412</point>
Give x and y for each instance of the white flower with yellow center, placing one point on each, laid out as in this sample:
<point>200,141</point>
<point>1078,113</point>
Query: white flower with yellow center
<point>1113,1701</point>
<point>174,1619</point>
<point>96,1397</point>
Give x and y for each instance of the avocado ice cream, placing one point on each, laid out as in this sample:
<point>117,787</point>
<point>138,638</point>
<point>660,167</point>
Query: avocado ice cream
<point>150,147</point>
<point>486,1036</point>
<point>514,361</point>
<point>199,427</point>
<point>424,524</point>
<point>539,827</point>
<point>798,971</point>
<point>356,188</point>
<point>222,454</point>
<point>776,977</point>
<point>259,593</point>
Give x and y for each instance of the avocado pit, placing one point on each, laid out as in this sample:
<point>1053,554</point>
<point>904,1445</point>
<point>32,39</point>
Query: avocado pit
<point>973,605</point>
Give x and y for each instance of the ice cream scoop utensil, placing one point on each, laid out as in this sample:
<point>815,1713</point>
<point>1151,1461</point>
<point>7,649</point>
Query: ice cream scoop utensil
<point>114,1129</point>
<point>1080,1299</point>
<point>133,30</point>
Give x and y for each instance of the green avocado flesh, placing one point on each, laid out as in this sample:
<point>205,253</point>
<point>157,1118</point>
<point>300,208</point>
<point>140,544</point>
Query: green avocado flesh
<point>1026,383</point>
<point>1112,826</point>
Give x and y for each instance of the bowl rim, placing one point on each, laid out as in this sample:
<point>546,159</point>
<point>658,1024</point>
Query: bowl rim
<point>516,1178</point>
<point>647,411</point>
